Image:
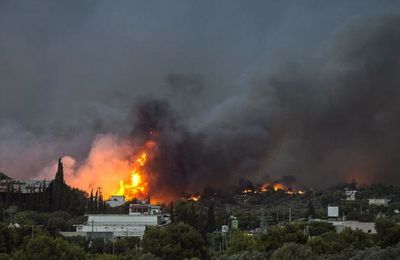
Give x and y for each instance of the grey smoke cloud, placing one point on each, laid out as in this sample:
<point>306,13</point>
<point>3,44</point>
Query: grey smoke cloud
<point>256,88</point>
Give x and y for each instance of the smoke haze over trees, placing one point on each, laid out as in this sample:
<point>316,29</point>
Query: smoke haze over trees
<point>234,89</point>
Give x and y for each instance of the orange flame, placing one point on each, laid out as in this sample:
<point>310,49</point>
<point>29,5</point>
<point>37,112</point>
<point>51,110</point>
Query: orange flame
<point>135,186</point>
<point>194,198</point>
<point>245,191</point>
<point>276,186</point>
<point>279,186</point>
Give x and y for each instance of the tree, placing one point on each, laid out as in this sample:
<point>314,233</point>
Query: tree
<point>353,184</point>
<point>210,226</point>
<point>172,212</point>
<point>44,247</point>
<point>318,228</point>
<point>310,209</point>
<point>245,255</point>
<point>357,238</point>
<point>3,176</point>
<point>277,236</point>
<point>57,190</point>
<point>174,241</point>
<point>190,212</point>
<point>375,253</point>
<point>8,238</point>
<point>292,251</point>
<point>388,232</point>
<point>241,242</point>
<point>332,242</point>
<point>90,205</point>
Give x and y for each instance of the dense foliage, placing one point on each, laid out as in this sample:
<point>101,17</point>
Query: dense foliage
<point>195,231</point>
<point>175,241</point>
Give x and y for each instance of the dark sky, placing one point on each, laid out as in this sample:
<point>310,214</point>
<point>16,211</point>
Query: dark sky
<point>271,88</point>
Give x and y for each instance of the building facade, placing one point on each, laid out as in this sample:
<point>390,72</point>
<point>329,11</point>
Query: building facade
<point>110,226</point>
<point>379,202</point>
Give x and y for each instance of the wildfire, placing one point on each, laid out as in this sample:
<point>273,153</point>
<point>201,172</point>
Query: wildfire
<point>276,186</point>
<point>194,198</point>
<point>246,191</point>
<point>279,186</point>
<point>135,186</point>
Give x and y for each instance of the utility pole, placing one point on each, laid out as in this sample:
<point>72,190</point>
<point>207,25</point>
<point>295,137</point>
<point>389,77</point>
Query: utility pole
<point>290,215</point>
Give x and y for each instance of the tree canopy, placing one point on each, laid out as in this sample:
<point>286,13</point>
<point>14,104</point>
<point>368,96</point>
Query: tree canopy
<point>174,241</point>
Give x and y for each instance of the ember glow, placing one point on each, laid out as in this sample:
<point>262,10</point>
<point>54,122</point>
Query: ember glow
<point>194,198</point>
<point>246,191</point>
<point>276,186</point>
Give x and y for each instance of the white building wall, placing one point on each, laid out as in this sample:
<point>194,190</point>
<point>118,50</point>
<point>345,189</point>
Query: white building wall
<point>379,202</point>
<point>367,227</point>
<point>116,201</point>
<point>119,225</point>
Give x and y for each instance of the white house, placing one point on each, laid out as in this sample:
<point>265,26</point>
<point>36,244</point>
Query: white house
<point>109,226</point>
<point>116,200</point>
<point>367,227</point>
<point>350,194</point>
<point>379,202</point>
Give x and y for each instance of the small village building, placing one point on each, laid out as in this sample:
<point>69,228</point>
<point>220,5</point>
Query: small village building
<point>379,202</point>
<point>134,224</point>
<point>366,227</point>
<point>116,201</point>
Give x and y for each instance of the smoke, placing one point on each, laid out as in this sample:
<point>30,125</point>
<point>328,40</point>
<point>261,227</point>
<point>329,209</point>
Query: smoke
<point>245,90</point>
<point>332,119</point>
<point>341,116</point>
<point>108,161</point>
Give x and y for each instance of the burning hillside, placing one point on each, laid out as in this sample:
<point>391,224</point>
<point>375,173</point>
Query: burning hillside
<point>276,186</point>
<point>288,188</point>
<point>147,163</point>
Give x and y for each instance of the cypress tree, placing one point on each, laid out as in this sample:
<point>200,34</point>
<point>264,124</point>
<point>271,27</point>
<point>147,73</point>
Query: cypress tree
<point>90,202</point>
<point>96,201</point>
<point>58,189</point>
<point>172,212</point>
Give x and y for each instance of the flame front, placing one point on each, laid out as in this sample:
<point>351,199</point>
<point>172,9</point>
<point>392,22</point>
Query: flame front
<point>136,186</point>
<point>277,186</point>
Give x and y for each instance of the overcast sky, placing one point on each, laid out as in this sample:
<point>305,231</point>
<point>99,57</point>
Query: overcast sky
<point>72,69</point>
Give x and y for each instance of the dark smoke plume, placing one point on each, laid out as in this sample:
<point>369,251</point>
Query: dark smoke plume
<point>336,118</point>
